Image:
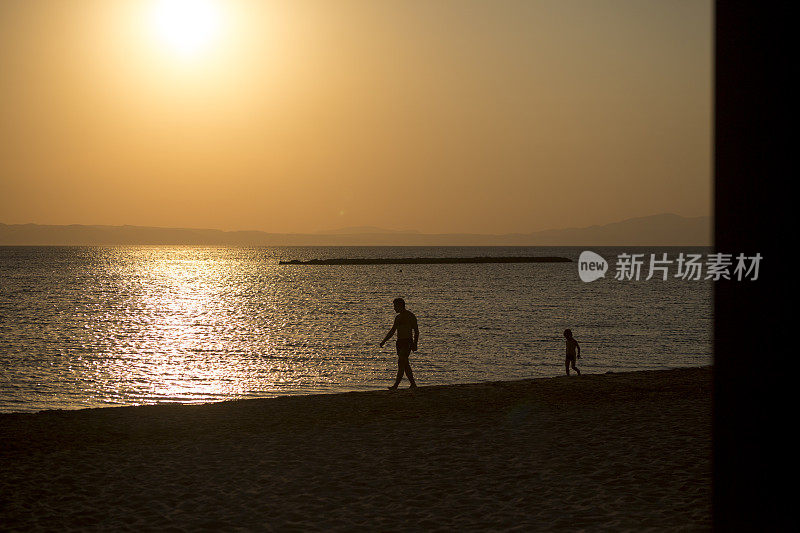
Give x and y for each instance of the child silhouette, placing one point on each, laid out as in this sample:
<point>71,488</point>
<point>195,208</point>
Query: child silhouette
<point>571,345</point>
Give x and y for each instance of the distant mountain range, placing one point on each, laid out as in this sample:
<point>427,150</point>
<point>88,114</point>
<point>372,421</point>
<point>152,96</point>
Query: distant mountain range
<point>655,230</point>
<point>358,230</point>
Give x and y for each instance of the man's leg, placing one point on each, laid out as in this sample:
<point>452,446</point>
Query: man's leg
<point>566,365</point>
<point>409,374</point>
<point>400,370</point>
<point>575,367</point>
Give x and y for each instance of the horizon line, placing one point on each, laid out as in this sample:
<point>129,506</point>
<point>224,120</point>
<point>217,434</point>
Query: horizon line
<point>383,231</point>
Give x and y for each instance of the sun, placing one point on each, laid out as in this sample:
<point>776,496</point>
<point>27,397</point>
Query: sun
<point>187,28</point>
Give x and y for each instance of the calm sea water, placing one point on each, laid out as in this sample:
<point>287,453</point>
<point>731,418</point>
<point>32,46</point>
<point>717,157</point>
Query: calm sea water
<point>103,326</point>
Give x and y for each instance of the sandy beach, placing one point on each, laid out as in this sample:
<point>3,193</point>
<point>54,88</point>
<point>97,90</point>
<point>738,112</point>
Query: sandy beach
<point>614,451</point>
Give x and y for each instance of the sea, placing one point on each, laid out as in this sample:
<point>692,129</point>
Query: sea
<point>87,327</point>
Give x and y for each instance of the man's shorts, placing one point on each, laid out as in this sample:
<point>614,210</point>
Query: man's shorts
<point>403,347</point>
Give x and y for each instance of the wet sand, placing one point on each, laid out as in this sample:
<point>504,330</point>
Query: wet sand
<point>612,451</point>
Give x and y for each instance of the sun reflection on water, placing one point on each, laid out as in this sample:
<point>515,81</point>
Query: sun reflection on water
<point>188,315</point>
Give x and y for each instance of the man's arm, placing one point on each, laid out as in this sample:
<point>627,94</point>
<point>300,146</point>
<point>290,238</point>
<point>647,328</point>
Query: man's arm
<point>415,327</point>
<point>391,332</point>
<point>579,349</point>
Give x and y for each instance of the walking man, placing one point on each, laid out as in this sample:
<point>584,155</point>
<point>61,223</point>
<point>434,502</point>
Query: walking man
<point>404,323</point>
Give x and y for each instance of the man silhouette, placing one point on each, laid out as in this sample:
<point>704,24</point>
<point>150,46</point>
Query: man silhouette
<point>404,323</point>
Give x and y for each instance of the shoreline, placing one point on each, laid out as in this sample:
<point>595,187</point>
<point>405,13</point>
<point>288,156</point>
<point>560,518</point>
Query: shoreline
<point>618,450</point>
<point>380,390</point>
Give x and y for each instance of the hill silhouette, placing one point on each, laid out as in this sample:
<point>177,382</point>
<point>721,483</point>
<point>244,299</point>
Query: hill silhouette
<point>655,230</point>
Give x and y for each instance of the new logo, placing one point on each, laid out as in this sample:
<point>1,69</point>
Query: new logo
<point>591,266</point>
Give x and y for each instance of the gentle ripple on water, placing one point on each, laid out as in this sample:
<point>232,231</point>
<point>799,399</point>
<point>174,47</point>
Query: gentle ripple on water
<point>101,326</point>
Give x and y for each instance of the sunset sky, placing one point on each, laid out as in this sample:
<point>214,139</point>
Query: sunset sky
<point>298,116</point>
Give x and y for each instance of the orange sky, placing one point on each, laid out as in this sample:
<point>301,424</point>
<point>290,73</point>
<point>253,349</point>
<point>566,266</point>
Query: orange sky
<point>297,116</point>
